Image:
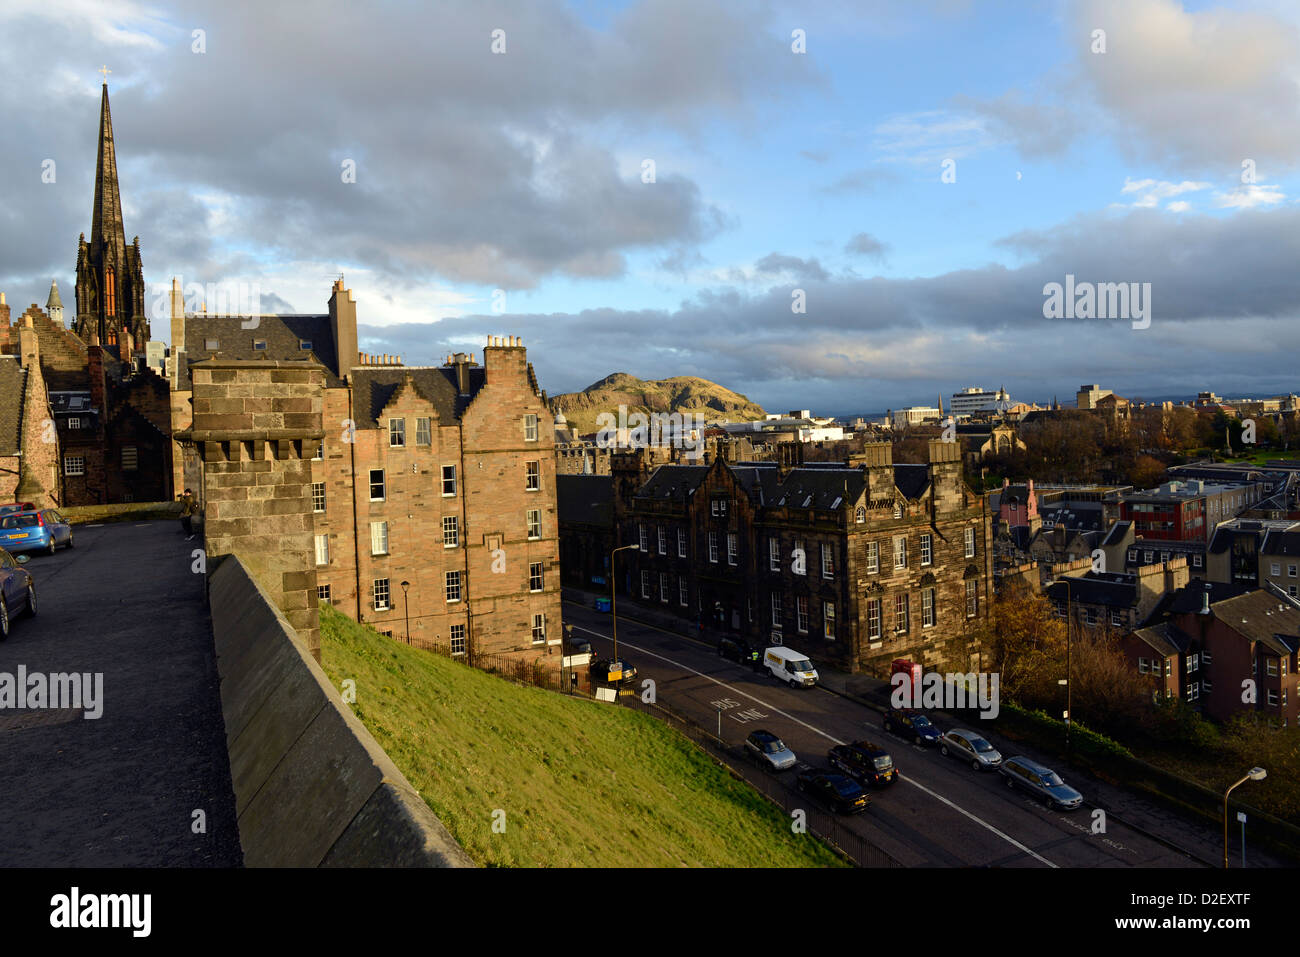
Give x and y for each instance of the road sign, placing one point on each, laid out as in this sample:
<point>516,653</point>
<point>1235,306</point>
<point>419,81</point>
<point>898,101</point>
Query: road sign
<point>1241,816</point>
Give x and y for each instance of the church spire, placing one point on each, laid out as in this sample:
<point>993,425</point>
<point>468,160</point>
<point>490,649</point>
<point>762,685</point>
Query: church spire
<point>106,219</point>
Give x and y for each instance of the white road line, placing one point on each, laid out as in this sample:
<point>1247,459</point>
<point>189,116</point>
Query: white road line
<point>961,810</point>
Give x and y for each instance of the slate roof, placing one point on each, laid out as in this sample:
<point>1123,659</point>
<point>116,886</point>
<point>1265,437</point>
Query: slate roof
<point>13,386</point>
<point>437,385</point>
<point>673,481</point>
<point>1116,533</point>
<point>1279,542</point>
<point>1164,638</point>
<point>585,499</point>
<point>1261,617</point>
<point>1109,592</point>
<point>283,336</point>
<point>1081,515</point>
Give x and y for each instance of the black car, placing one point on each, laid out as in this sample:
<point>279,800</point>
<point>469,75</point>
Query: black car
<point>839,791</point>
<point>912,725</point>
<point>865,762</point>
<point>738,649</point>
<point>612,670</point>
<point>574,645</point>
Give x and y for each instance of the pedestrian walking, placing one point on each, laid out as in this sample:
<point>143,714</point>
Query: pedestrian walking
<point>188,507</point>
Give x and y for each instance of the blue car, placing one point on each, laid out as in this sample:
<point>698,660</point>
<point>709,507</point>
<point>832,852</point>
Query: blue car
<point>42,530</point>
<point>16,592</point>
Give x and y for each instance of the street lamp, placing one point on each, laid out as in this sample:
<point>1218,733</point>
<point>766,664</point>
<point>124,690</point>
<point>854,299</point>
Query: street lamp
<point>613,595</point>
<point>1069,688</point>
<point>1254,774</point>
<point>406,600</point>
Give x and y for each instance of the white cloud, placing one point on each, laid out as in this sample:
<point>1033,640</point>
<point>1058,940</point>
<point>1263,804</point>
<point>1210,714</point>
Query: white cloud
<point>1153,191</point>
<point>1249,196</point>
<point>1180,206</point>
<point>929,137</point>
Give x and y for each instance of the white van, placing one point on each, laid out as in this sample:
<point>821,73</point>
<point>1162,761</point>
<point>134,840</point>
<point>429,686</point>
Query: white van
<point>789,666</point>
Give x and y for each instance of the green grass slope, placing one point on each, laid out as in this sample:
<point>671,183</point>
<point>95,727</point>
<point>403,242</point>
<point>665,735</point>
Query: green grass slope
<point>580,783</point>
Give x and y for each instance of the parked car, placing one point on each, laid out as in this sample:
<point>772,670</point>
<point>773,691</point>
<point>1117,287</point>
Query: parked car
<point>612,670</point>
<point>865,762</point>
<point>17,592</point>
<point>913,725</point>
<point>1021,772</point>
<point>739,650</point>
<point>769,750</point>
<point>575,644</point>
<point>786,664</point>
<point>17,507</point>
<point>42,530</point>
<point>843,794</point>
<point>970,747</point>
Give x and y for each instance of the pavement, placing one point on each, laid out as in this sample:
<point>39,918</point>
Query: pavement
<point>1194,839</point>
<point>147,784</point>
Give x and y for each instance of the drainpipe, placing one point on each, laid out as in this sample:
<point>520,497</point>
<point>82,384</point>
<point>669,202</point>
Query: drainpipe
<point>352,451</point>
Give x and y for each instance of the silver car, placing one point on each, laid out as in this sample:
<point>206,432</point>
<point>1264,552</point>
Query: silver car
<point>769,750</point>
<point>970,747</point>
<point>1021,772</point>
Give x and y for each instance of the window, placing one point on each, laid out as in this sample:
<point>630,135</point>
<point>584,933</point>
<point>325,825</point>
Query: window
<point>776,609</point>
<point>1206,686</point>
<point>683,591</point>
<point>860,515</point>
<point>873,619</point>
<point>828,620</point>
<point>532,476</point>
<point>774,554</point>
<point>1206,659</point>
<point>1142,666</point>
<point>130,458</point>
<point>304,345</point>
<point>534,576</point>
<point>449,480</point>
<point>1275,568</point>
<point>259,345</point>
<point>378,538</point>
<point>457,639</point>
<point>801,614</point>
<point>323,592</point>
<point>1290,571</point>
<point>376,485</point>
<point>379,593</point>
<point>713,547</point>
<point>714,507</point>
<point>972,599</point>
<point>733,549</point>
<point>927,550</point>
<point>1147,556</point>
<point>681,543</point>
<point>970,542</point>
<point>1272,698</point>
<point>1116,618</point>
<point>828,561</point>
<point>534,516</point>
<point>643,537</point>
<point>1191,663</point>
<point>397,433</point>
<point>663,587</point>
<point>450,531</point>
<point>451,585</point>
<point>1197,561</point>
<point>211,345</point>
<point>800,567</point>
<point>873,558</point>
<point>1090,616</point>
<point>1270,667</point>
<point>900,613</point>
<point>423,432</point>
<point>900,551</point>
<point>663,540</point>
<point>539,628</point>
<point>1133,556</point>
<point>322,549</point>
<point>74,465</point>
<point>1169,667</point>
<point>1164,556</point>
<point>898,510</point>
<point>530,427</point>
<point>645,583</point>
<point>319,454</point>
<point>74,422</point>
<point>318,496</point>
<point>1193,691</point>
<point>927,607</point>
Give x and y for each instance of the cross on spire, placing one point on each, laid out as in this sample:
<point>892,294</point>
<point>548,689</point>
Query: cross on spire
<point>105,71</point>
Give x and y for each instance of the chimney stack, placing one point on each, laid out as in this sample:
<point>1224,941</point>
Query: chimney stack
<point>343,323</point>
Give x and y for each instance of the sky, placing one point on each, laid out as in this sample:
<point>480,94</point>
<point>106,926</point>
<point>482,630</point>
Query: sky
<point>834,205</point>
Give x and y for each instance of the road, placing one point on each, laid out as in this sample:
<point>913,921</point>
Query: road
<point>941,813</point>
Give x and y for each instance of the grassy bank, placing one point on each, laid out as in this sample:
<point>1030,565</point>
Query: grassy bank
<point>580,783</point>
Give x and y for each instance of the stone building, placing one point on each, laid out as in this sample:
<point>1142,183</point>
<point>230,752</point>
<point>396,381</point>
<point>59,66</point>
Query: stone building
<point>29,450</point>
<point>433,494</point>
<point>855,563</point>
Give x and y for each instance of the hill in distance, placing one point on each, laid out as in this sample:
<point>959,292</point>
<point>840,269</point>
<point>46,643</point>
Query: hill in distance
<point>678,394</point>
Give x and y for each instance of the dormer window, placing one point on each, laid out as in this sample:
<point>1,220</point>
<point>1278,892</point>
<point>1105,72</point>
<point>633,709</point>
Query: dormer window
<point>259,345</point>
<point>211,345</point>
<point>304,345</point>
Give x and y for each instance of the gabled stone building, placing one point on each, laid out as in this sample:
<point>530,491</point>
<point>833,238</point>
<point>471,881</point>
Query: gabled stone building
<point>854,563</point>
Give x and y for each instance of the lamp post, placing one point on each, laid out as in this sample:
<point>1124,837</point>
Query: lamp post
<point>1254,774</point>
<point>613,596</point>
<point>1069,688</point>
<point>406,600</point>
